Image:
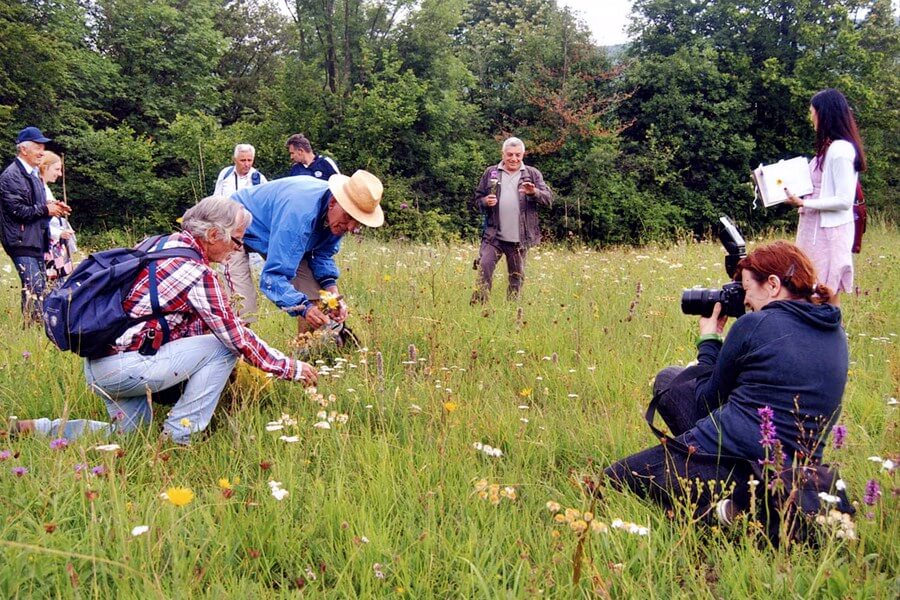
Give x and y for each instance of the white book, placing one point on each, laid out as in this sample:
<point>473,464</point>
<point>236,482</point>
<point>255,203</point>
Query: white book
<point>771,180</point>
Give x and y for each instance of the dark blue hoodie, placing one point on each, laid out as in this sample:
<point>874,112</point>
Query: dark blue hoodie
<point>792,357</point>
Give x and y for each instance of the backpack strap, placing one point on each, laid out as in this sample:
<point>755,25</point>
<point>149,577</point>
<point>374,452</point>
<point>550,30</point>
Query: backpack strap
<point>157,254</point>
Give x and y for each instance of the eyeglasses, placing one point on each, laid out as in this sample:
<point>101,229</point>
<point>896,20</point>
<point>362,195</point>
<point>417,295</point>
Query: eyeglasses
<point>237,242</point>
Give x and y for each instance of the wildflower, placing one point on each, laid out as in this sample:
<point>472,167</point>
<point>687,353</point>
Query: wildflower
<point>98,471</point>
<point>224,483</point>
<point>289,439</point>
<point>139,530</point>
<point>80,467</point>
<point>525,392</point>
<point>5,454</point>
<point>59,443</point>
<point>599,527</point>
<point>49,527</point>
<point>553,507</point>
<point>872,493</point>
<point>19,471</point>
<point>274,427</point>
<point>404,206</point>
<point>179,496</point>
<point>26,354</point>
<point>322,425</point>
<point>766,427</point>
<point>578,526</point>
<point>119,416</point>
<point>185,422</point>
<point>386,278</point>
<point>278,492</point>
<point>379,574</point>
<point>450,406</point>
<point>108,447</point>
<point>839,436</point>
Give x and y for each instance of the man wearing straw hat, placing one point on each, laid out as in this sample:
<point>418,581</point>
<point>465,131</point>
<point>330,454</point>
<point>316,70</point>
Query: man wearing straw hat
<point>297,226</point>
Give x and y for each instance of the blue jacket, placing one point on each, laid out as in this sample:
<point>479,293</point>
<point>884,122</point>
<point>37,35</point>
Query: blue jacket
<point>789,349</point>
<point>321,167</point>
<point>24,217</point>
<point>288,226</point>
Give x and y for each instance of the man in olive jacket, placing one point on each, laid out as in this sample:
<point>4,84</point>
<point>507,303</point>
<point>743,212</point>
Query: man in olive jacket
<point>509,194</point>
<point>25,219</point>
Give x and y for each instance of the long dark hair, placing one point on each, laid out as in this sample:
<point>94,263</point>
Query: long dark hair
<point>836,122</point>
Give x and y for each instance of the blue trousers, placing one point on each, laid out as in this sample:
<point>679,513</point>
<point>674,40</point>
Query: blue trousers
<point>33,274</point>
<point>125,380</point>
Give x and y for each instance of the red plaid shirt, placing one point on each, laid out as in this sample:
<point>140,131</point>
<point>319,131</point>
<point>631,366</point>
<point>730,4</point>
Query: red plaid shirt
<point>193,303</point>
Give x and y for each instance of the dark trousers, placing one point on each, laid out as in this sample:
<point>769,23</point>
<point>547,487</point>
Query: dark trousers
<point>675,477</point>
<point>515,264</point>
<point>33,274</point>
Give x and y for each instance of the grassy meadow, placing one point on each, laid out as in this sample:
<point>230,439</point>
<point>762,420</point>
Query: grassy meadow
<point>386,501</point>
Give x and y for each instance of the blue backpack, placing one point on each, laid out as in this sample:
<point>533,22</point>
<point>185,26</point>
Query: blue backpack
<point>85,316</point>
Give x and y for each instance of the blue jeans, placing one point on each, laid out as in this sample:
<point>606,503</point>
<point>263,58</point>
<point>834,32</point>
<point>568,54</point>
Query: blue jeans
<point>125,380</point>
<point>33,274</point>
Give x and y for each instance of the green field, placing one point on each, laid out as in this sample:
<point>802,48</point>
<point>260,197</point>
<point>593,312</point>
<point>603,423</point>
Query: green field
<point>387,503</point>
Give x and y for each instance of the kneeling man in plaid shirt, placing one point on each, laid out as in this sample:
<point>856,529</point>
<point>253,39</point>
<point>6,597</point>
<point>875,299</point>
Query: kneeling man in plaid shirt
<point>205,337</point>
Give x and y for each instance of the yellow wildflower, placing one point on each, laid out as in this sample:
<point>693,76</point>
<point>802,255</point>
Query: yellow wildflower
<point>179,496</point>
<point>224,484</point>
<point>450,406</point>
<point>571,515</point>
<point>559,518</point>
<point>387,278</point>
<point>553,507</point>
<point>185,422</point>
<point>525,392</point>
<point>578,526</point>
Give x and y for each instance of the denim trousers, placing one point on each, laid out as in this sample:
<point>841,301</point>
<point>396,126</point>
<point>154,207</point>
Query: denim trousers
<point>673,477</point>
<point>125,380</point>
<point>33,274</point>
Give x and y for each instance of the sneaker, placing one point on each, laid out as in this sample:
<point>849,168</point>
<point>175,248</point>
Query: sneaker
<point>725,511</point>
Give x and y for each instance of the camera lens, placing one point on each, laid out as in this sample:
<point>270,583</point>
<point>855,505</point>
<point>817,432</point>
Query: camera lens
<point>700,301</point>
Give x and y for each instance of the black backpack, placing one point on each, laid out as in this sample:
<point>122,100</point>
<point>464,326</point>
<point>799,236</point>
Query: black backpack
<point>85,316</point>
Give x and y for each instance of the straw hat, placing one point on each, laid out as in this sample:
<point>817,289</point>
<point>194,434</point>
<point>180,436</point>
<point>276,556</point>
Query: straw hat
<point>359,195</point>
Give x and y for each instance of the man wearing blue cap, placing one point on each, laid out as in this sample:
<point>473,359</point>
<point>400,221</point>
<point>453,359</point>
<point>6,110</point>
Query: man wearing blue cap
<point>25,219</point>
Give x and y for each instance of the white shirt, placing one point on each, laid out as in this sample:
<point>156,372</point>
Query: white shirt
<point>226,186</point>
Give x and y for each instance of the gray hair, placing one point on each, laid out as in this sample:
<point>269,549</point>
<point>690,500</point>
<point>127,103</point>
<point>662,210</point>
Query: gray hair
<point>23,145</point>
<point>244,148</point>
<point>215,212</point>
<point>513,141</point>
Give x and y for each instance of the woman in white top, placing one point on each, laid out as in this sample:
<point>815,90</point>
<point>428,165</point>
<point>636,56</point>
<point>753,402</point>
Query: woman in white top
<point>825,231</point>
<point>62,236</point>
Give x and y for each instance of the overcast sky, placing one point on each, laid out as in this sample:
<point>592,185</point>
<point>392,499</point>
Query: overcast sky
<point>605,18</point>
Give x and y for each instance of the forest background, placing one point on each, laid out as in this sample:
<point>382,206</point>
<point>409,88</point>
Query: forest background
<point>643,142</point>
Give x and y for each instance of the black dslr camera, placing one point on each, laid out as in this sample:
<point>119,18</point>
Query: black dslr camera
<point>698,301</point>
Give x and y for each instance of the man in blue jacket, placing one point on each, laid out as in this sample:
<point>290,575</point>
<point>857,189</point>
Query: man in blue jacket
<point>297,226</point>
<point>25,217</point>
<point>307,162</point>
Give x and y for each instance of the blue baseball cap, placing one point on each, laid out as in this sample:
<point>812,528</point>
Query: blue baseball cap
<point>32,134</point>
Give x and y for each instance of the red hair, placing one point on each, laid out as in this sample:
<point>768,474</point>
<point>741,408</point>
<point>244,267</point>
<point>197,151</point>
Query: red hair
<point>792,267</point>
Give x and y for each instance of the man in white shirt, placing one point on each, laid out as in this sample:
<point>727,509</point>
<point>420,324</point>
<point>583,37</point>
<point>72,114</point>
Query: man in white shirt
<point>241,174</point>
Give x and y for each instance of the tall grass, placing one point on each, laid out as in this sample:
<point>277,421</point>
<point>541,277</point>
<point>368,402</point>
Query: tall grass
<point>386,504</point>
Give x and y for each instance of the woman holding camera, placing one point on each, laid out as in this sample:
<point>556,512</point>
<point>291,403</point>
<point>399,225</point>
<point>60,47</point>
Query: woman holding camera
<point>757,393</point>
<point>825,231</point>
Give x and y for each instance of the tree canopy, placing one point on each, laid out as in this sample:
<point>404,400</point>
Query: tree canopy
<point>147,99</point>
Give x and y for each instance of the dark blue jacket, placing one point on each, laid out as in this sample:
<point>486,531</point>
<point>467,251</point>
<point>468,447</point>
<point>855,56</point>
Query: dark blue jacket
<point>23,210</point>
<point>321,167</point>
<point>792,357</point>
